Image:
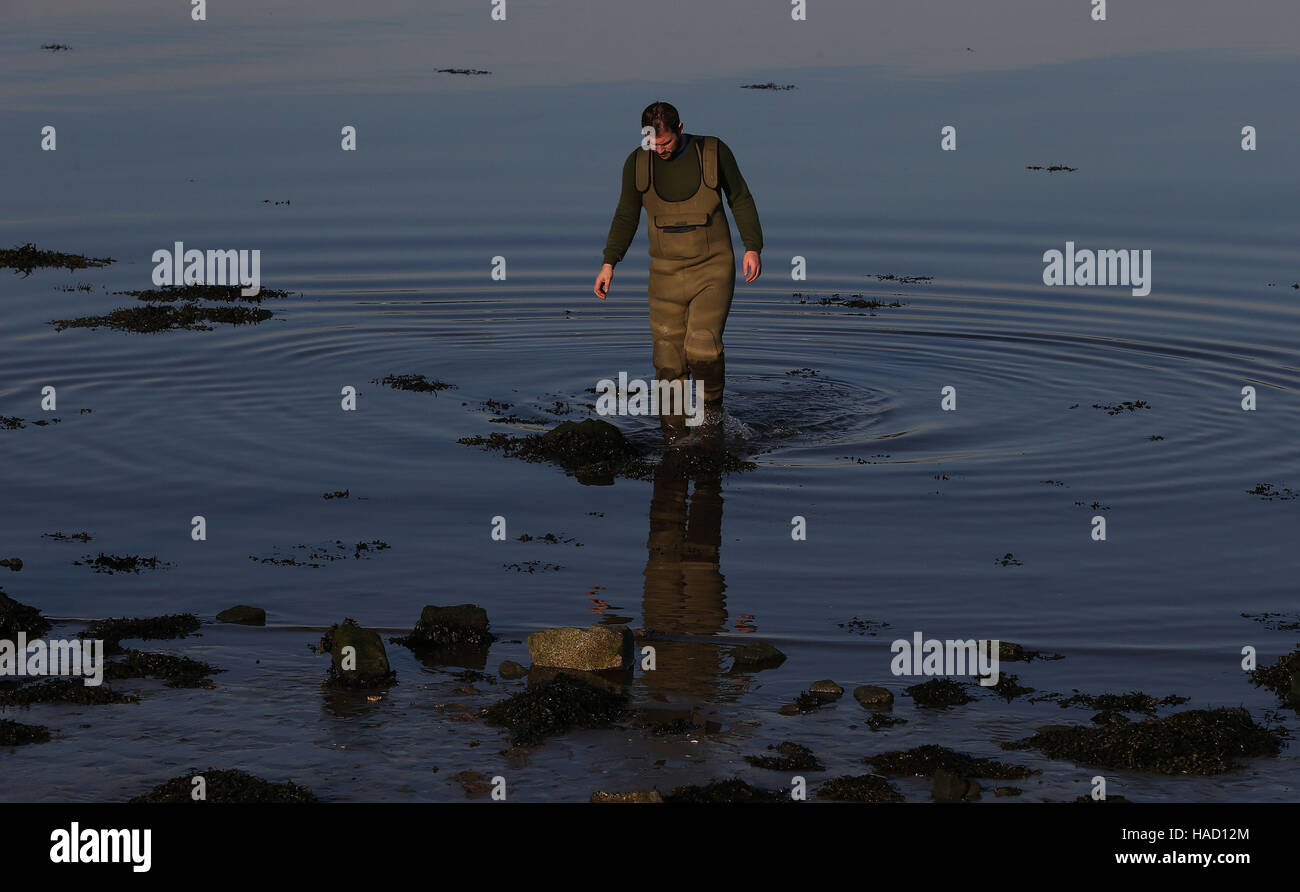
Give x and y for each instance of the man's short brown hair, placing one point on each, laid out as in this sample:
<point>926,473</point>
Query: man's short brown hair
<point>662,116</point>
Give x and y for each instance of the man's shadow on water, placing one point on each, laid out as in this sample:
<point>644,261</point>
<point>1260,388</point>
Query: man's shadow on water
<point>684,587</point>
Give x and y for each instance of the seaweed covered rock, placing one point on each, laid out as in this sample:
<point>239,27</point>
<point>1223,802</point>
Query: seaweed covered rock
<point>113,630</point>
<point>243,615</point>
<point>179,672</point>
<point>222,785</point>
<point>592,649</point>
<point>1197,741</point>
<point>463,625</point>
<point>859,788</point>
<point>553,707</point>
<point>790,757</point>
<point>365,662</point>
<point>925,760</point>
<point>16,617</point>
<point>938,692</point>
<point>16,733</point>
<point>63,690</point>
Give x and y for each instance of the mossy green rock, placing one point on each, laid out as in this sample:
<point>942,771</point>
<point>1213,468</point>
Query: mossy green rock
<point>371,660</point>
<point>243,615</point>
<point>591,649</point>
<point>759,655</point>
<point>874,697</point>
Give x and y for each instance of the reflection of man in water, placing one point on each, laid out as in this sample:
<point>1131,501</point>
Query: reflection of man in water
<point>692,266</point>
<point>683,580</point>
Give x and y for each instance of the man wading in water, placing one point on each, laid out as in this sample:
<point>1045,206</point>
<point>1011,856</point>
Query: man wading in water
<point>692,266</point>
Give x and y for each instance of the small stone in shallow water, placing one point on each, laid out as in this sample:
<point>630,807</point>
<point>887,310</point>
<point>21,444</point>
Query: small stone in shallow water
<point>874,697</point>
<point>242,614</point>
<point>826,689</point>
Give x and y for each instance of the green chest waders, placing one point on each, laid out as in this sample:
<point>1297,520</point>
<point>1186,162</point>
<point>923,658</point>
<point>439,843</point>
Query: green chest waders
<point>692,275</point>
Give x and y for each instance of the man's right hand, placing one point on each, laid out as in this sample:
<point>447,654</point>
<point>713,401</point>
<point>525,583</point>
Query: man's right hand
<point>603,279</point>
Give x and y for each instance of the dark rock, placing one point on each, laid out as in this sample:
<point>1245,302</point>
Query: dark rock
<point>756,655</point>
<point>371,668</point>
<point>227,786</point>
<point>874,697</point>
<point>511,671</point>
<point>243,615</point>
<point>459,626</point>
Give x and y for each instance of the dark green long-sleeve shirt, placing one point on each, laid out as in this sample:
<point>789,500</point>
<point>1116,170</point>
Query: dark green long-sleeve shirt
<point>676,180</point>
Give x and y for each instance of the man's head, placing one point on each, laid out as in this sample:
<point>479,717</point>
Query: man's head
<point>668,127</point>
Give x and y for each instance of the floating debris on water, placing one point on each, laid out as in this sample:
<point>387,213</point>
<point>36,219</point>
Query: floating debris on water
<point>112,563</point>
<point>28,257</point>
<point>416,383</point>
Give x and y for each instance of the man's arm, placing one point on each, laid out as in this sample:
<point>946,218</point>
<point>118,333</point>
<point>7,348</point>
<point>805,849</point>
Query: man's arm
<point>739,199</point>
<point>627,216</point>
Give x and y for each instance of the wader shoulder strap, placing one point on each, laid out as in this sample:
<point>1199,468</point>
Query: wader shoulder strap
<point>709,162</point>
<point>643,170</point>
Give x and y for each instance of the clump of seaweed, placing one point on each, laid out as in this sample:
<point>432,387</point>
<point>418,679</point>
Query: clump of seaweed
<point>938,692</point>
<point>923,761</point>
<point>223,785</point>
<point>113,630</point>
<point>113,563</point>
<point>859,788</point>
<point>64,690</point>
<point>1133,701</point>
<point>733,790</point>
<point>150,318</point>
<point>228,293</point>
<point>1009,687</point>
<point>179,672</point>
<point>27,257</point>
<point>416,383</point>
<point>791,757</point>
<point>555,706</point>
<point>1282,678</point>
<point>1197,741</point>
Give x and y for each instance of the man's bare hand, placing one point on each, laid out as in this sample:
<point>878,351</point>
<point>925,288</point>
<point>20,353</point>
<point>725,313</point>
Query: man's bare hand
<point>603,278</point>
<point>752,266</point>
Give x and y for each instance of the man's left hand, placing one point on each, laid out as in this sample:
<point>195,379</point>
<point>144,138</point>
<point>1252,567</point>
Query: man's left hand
<point>751,265</point>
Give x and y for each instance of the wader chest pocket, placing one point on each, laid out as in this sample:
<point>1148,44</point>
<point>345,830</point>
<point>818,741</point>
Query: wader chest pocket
<point>680,236</point>
<point>680,222</point>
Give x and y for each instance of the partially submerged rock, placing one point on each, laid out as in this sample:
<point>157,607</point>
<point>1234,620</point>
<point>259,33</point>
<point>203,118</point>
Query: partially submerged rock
<point>464,625</point>
<point>16,617</point>
<point>243,615</point>
<point>553,707</point>
<point>859,788</point>
<point>755,656</point>
<point>1197,741</point>
<point>949,786</point>
<point>924,760</point>
<point>16,733</point>
<point>366,666</point>
<point>592,649</point>
<point>826,689</point>
<point>791,757</point>
<point>226,786</point>
<point>874,697</point>
<point>511,671</point>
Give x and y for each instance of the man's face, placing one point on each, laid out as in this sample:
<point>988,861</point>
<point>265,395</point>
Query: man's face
<point>667,141</point>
